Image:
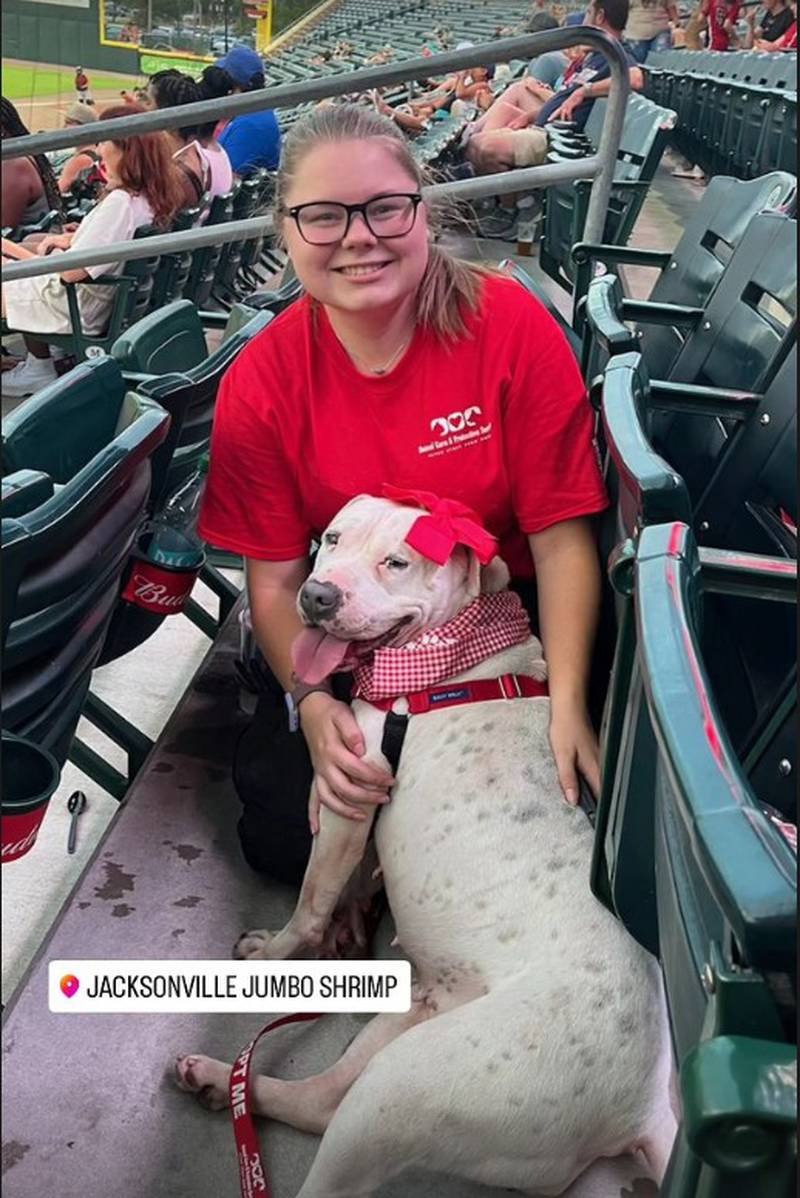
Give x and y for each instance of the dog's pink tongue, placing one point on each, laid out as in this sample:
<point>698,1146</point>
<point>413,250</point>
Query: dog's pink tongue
<point>316,654</point>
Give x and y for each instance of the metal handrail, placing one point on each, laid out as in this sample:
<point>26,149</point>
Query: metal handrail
<point>258,226</point>
<point>599,167</point>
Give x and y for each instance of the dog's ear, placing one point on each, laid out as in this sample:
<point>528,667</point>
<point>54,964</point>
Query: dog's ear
<point>486,580</point>
<point>494,577</point>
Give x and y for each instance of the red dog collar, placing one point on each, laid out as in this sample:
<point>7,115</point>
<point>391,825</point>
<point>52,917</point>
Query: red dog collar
<point>477,690</point>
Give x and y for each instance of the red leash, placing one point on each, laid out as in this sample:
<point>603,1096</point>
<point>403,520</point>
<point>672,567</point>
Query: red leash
<point>252,1178</point>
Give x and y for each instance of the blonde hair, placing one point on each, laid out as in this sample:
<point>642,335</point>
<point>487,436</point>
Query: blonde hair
<point>450,288</point>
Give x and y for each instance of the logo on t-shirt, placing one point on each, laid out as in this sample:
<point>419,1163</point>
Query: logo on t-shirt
<point>455,431</point>
<point>455,422</point>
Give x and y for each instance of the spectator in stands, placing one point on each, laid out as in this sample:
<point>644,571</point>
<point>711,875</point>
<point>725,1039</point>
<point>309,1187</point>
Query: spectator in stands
<point>338,396</point>
<point>29,186</point>
<point>144,187</point>
<point>721,17</point>
<point>201,159</point>
<point>252,140</point>
<point>516,137</point>
<point>546,68</point>
<point>788,40</point>
<point>776,21</point>
<point>84,156</point>
<point>649,26</point>
<point>593,78</point>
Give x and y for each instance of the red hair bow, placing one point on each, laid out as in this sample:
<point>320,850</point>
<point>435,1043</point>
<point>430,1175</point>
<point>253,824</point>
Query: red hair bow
<point>450,523</point>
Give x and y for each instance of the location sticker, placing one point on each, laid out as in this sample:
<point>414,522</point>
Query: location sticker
<point>69,984</point>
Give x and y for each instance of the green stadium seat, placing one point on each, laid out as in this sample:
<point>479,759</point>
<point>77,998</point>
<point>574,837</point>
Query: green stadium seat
<point>249,201</point>
<point>205,259</point>
<point>742,508</point>
<point>132,297</point>
<point>644,137</point>
<point>689,274</point>
<point>45,224</point>
<point>189,397</point>
<point>88,444</point>
<point>736,341</point>
<point>726,888</point>
<point>172,274</point>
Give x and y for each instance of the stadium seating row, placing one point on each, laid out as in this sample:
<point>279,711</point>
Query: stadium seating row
<point>213,276</point>
<point>737,112</point>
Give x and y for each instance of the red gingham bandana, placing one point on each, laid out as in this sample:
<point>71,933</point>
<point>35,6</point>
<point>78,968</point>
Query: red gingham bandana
<point>489,624</point>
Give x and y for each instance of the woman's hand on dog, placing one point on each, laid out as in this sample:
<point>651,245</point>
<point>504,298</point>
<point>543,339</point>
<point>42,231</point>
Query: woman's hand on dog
<point>342,780</point>
<point>576,750</point>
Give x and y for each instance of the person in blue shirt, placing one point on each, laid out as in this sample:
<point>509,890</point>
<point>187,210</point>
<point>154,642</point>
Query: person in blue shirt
<point>252,140</point>
<point>593,78</point>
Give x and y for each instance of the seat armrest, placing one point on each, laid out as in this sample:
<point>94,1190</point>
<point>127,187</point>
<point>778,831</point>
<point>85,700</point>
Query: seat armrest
<point>703,401</point>
<point>648,312</point>
<point>605,319</point>
<point>23,491</point>
<point>585,251</point>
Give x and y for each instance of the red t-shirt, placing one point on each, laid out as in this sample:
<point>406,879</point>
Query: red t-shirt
<point>719,12</point>
<point>499,420</point>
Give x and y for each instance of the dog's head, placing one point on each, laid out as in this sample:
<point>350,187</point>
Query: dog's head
<point>370,588</point>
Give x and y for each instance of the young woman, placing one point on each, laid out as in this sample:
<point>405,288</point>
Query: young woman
<point>201,159</point>
<point>144,187</point>
<point>343,393</point>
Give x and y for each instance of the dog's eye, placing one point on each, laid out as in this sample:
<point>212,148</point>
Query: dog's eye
<point>330,539</point>
<point>395,563</point>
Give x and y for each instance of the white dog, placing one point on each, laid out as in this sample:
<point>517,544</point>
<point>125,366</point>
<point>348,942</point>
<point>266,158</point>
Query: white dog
<point>537,1041</point>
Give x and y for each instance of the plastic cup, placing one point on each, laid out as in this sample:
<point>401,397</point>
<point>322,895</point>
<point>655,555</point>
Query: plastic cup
<point>30,777</point>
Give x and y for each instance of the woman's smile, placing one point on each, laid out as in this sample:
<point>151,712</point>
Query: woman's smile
<point>362,272</point>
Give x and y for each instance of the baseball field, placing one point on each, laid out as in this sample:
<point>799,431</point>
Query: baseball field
<point>42,92</point>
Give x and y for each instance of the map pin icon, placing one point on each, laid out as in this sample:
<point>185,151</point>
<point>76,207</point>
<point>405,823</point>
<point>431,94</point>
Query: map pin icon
<point>69,984</point>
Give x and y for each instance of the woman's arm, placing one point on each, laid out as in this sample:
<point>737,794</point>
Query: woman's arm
<point>272,588</point>
<point>12,249</point>
<point>72,168</point>
<point>568,582</point>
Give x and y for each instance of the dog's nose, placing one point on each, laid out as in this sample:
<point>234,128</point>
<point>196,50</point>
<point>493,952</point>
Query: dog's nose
<point>319,600</point>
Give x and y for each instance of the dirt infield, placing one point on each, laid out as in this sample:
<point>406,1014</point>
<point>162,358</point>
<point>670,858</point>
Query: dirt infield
<point>41,92</point>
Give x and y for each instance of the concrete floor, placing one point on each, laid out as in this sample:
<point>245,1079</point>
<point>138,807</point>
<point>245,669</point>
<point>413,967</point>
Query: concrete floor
<point>71,1089</point>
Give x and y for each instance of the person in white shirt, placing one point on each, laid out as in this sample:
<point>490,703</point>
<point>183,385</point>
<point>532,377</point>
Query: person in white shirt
<point>143,187</point>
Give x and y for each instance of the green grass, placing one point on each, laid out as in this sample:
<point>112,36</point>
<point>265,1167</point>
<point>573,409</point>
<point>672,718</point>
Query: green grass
<point>25,83</point>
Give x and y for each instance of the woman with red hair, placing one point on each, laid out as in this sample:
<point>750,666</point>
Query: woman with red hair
<point>143,187</point>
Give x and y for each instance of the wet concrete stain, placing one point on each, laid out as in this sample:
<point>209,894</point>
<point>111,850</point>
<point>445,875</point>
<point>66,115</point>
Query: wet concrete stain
<point>82,906</point>
<point>121,910</point>
<point>188,852</point>
<point>191,900</point>
<point>117,882</point>
<point>176,932</point>
<point>12,1154</point>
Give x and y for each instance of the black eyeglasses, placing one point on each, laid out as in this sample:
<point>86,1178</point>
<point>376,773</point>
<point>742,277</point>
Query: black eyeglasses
<point>324,223</point>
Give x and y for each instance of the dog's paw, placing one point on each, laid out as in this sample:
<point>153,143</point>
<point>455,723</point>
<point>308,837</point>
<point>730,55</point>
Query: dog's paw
<point>253,946</point>
<point>206,1078</point>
